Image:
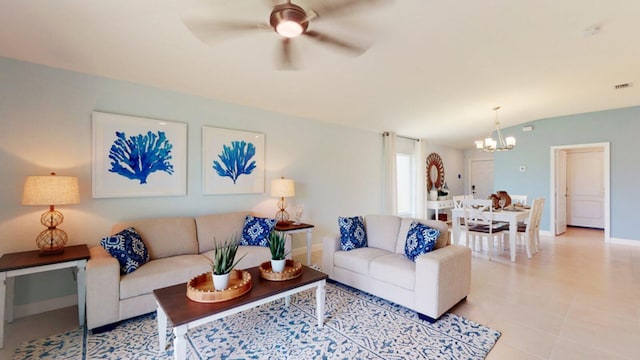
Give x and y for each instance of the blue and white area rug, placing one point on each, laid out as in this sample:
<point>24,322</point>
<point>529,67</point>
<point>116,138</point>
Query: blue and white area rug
<point>357,326</point>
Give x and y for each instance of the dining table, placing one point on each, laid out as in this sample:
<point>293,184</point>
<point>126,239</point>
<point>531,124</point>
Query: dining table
<point>512,216</point>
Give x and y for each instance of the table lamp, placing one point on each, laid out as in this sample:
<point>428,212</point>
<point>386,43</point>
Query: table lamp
<point>51,190</point>
<point>282,188</point>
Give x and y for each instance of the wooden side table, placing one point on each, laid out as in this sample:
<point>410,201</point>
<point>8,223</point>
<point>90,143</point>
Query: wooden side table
<point>30,262</point>
<point>290,228</point>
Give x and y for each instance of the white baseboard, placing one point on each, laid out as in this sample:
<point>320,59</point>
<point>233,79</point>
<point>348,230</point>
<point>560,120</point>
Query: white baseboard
<point>44,306</point>
<point>628,242</point>
<point>302,251</point>
<point>615,241</point>
<point>316,247</point>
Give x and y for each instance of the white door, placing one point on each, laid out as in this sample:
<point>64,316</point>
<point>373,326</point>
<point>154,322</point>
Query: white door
<point>585,188</point>
<point>481,178</point>
<point>561,192</point>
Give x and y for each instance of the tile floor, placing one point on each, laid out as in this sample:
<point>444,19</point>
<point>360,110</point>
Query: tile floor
<point>577,299</point>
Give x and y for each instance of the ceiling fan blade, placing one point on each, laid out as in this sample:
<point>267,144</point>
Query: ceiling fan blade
<point>286,59</point>
<point>208,30</point>
<point>343,45</point>
<point>342,7</point>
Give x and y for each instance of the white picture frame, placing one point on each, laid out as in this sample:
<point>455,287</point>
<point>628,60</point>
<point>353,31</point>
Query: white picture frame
<point>232,161</point>
<point>160,172</point>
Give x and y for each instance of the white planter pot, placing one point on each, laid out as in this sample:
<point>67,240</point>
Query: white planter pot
<point>277,265</point>
<point>220,282</point>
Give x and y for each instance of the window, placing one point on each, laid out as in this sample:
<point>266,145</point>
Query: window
<point>406,185</point>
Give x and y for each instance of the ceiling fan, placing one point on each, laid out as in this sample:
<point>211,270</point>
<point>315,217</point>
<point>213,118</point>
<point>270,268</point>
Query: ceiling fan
<point>289,21</point>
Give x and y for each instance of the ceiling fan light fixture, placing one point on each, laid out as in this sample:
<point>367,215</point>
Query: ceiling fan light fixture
<point>289,20</point>
<point>289,29</point>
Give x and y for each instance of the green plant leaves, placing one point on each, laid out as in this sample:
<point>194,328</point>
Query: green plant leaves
<point>277,242</point>
<point>224,255</point>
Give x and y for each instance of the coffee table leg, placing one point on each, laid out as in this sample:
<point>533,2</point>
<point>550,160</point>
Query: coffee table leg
<point>287,300</point>
<point>180,343</point>
<point>320,297</point>
<point>161,317</point>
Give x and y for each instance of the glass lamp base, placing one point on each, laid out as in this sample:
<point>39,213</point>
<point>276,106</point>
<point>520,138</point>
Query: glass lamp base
<point>51,241</point>
<point>282,216</point>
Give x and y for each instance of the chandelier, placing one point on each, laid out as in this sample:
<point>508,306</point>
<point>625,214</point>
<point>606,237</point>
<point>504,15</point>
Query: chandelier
<point>489,144</point>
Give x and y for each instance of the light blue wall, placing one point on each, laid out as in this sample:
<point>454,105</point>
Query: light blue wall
<point>619,127</point>
<point>45,126</point>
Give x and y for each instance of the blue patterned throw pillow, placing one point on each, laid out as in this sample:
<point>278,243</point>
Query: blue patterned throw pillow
<point>256,231</point>
<point>128,248</point>
<point>352,233</point>
<point>420,240</point>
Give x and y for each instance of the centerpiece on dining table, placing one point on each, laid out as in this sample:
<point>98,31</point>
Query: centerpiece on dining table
<point>501,199</point>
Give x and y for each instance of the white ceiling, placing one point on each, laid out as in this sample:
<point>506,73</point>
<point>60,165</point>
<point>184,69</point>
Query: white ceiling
<point>435,69</point>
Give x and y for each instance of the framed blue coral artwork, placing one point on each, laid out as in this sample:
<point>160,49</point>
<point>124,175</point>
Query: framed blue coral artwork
<point>135,157</point>
<point>233,161</point>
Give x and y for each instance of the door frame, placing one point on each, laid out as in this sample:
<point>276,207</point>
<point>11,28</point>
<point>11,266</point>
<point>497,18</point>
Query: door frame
<point>605,146</point>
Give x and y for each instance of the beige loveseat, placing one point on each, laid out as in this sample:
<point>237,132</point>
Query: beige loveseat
<point>431,285</point>
<point>179,249</point>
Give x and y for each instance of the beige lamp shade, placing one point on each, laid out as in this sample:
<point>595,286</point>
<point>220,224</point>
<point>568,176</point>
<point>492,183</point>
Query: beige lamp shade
<point>51,190</point>
<point>282,188</point>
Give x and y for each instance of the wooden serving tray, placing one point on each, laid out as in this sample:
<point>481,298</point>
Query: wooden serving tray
<point>200,288</point>
<point>292,269</point>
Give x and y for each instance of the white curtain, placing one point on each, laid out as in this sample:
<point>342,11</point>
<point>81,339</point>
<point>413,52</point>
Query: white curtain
<point>419,158</point>
<point>390,175</point>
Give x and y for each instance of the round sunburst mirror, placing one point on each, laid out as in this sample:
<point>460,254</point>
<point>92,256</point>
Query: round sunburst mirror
<point>435,172</point>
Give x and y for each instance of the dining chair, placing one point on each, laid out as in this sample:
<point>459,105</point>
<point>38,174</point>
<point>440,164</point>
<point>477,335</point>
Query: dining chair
<point>478,217</point>
<point>527,231</point>
<point>459,199</point>
<point>538,218</point>
<point>458,202</point>
<point>521,199</point>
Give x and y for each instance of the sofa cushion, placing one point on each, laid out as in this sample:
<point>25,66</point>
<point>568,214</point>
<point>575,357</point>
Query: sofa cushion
<point>382,231</point>
<point>128,248</point>
<point>357,260</point>
<point>256,230</point>
<point>165,237</point>
<point>352,233</point>
<point>394,269</point>
<point>218,228</point>
<point>442,241</point>
<point>163,272</point>
<point>421,239</point>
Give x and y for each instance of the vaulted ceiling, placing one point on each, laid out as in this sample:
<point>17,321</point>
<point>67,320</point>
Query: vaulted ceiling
<point>434,69</point>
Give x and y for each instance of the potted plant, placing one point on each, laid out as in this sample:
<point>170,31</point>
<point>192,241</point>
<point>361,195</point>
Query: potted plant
<point>278,253</point>
<point>223,262</point>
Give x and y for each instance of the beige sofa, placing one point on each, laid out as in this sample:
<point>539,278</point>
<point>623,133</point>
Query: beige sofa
<point>179,249</point>
<point>431,285</point>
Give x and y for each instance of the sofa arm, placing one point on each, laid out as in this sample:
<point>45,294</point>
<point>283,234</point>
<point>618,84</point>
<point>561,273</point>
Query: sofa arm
<point>330,244</point>
<point>443,278</point>
<point>103,288</point>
